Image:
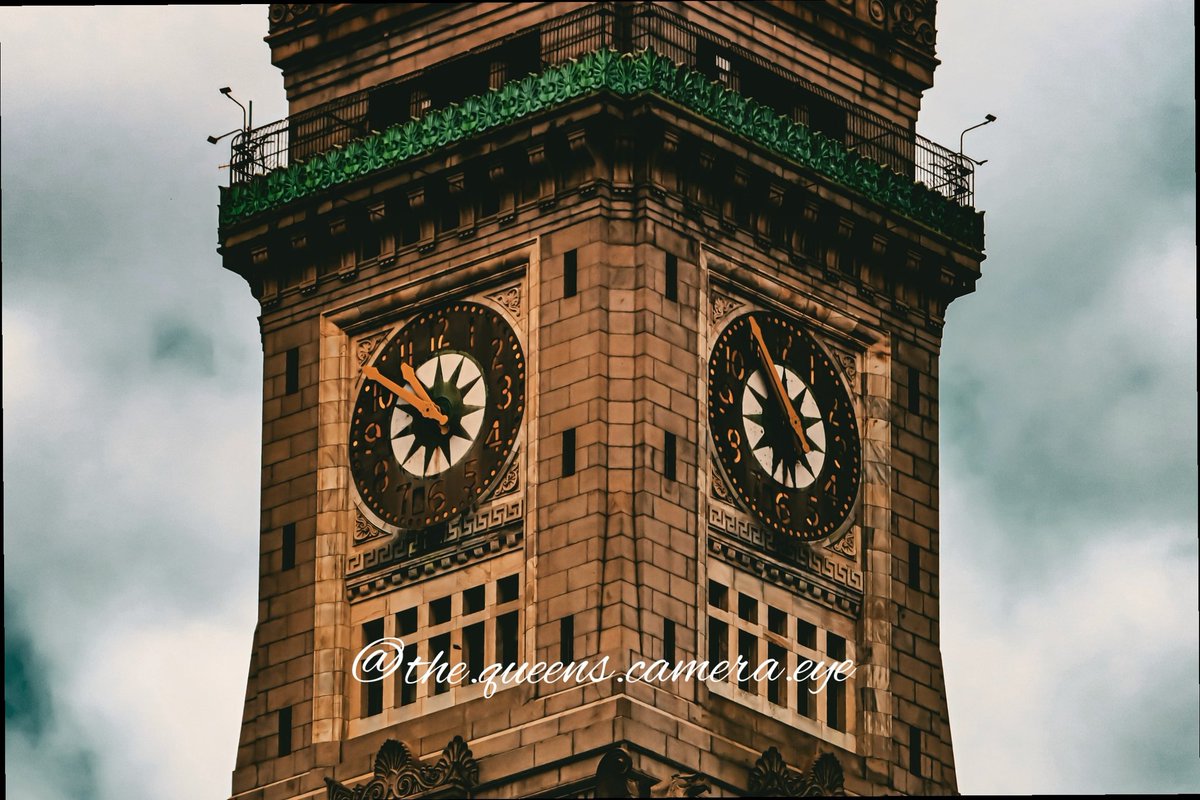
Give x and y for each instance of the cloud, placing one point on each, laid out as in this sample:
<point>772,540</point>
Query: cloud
<point>1087,685</point>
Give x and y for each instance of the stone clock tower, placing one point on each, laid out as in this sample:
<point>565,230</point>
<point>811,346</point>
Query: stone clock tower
<point>599,330</point>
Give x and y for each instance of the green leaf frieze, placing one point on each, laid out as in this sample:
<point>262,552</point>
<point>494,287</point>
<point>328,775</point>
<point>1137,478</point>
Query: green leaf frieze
<point>625,75</point>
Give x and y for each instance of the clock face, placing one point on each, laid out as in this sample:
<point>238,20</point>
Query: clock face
<point>783,426</point>
<point>437,415</point>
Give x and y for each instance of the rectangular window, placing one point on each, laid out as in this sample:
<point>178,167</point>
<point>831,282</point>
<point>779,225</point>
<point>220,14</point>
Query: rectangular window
<point>747,608</point>
<point>835,646</point>
<point>440,645</point>
<point>669,641</point>
<point>285,730</point>
<point>439,611</point>
<point>777,688</point>
<point>473,600</point>
<point>372,631</point>
<point>288,559</point>
<point>835,691</point>
<point>570,273</point>
<point>566,639</point>
<point>406,621</point>
<point>748,650</point>
<point>671,290</point>
<point>718,641</point>
<point>806,633</point>
<point>718,595</point>
<point>914,750</point>
<point>508,589</point>
<point>914,566</point>
<point>669,456</point>
<point>406,692</point>
<point>419,103</point>
<point>473,650</point>
<point>804,698</point>
<point>291,372</point>
<point>568,452</point>
<point>914,390</point>
<point>776,621</point>
<point>506,638</point>
<point>497,74</point>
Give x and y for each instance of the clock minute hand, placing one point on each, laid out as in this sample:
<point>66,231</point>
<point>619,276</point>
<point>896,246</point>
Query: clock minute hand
<point>780,393</point>
<point>425,408</point>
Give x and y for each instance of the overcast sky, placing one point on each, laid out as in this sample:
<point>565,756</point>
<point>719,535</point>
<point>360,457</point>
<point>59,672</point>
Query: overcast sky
<point>132,400</point>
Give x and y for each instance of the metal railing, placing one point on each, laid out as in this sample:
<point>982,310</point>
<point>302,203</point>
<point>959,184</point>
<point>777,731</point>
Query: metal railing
<point>625,27</point>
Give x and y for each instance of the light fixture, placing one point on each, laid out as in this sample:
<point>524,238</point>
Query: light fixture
<point>987,120</point>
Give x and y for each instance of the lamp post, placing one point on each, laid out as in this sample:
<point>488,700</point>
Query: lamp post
<point>987,120</point>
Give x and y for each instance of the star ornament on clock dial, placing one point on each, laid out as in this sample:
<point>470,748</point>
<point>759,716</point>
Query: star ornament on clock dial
<point>437,416</point>
<point>783,426</point>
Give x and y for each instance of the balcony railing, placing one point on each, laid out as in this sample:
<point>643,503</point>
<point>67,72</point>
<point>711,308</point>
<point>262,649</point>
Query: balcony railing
<point>625,28</point>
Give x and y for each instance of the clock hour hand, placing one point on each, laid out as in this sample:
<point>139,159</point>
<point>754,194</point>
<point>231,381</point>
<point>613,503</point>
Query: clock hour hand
<point>423,405</point>
<point>410,375</point>
<point>780,393</point>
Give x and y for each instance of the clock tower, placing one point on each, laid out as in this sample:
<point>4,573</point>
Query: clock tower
<point>599,334</point>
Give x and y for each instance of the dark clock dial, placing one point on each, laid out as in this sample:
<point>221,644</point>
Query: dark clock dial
<point>783,426</point>
<point>437,415</point>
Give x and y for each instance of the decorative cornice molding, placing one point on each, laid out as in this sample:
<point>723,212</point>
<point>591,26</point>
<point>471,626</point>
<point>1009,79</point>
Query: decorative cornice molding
<point>407,558</point>
<point>399,774</point>
<point>282,15</point>
<point>625,75</point>
<point>830,582</point>
<point>771,777</point>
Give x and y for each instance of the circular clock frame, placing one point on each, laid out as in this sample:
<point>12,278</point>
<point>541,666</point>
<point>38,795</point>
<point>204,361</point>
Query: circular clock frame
<point>794,463</point>
<point>437,415</point>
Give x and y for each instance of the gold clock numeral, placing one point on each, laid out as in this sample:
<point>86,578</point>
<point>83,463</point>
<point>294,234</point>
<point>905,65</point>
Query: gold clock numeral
<point>494,440</point>
<point>437,497</point>
<point>735,441</point>
<point>782,509</point>
<point>735,363</point>
<point>383,476</point>
<point>372,433</point>
<point>506,392</point>
<point>437,341</point>
<point>403,491</point>
<point>497,352</point>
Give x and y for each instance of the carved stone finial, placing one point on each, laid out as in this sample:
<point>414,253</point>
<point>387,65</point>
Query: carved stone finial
<point>771,776</point>
<point>615,777</point>
<point>398,774</point>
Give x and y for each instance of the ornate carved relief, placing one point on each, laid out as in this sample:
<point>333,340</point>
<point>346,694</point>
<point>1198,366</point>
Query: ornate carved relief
<point>509,299</point>
<point>717,486</point>
<point>511,480</point>
<point>847,545</point>
<point>682,784</point>
<point>398,774</point>
<point>723,305</point>
<point>283,14</point>
<point>912,20</point>
<point>364,530</point>
<point>366,346</point>
<point>771,777</point>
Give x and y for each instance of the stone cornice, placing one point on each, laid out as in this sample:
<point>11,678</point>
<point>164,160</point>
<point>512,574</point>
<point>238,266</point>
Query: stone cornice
<point>623,75</point>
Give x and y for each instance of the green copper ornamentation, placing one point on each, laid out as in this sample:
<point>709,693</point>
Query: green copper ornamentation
<point>625,75</point>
